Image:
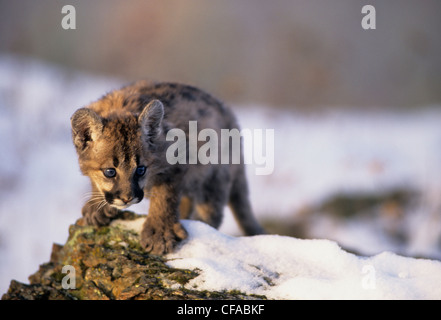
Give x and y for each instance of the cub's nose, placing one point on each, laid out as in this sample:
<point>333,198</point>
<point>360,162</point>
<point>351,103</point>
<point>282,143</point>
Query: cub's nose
<point>126,200</point>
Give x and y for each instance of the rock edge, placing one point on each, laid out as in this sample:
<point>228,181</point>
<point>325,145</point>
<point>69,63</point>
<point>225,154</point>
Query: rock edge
<point>109,264</point>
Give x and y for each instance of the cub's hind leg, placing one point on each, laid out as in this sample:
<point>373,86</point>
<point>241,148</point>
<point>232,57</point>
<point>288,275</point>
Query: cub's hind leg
<point>212,198</point>
<point>186,207</point>
<point>209,213</point>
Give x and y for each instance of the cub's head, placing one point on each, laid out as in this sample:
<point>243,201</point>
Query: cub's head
<point>114,152</point>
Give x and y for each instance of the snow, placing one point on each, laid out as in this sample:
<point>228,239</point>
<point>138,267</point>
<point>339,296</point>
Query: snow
<point>319,155</point>
<point>281,267</point>
<point>316,155</point>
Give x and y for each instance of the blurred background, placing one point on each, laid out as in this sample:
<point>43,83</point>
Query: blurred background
<point>356,112</point>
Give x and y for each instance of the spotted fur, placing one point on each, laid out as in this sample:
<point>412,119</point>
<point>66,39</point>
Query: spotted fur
<point>121,146</point>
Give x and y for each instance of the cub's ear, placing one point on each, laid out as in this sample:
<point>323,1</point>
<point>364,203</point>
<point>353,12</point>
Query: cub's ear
<point>86,127</point>
<point>150,120</point>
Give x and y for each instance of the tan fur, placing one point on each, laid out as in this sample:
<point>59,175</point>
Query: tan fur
<point>123,133</point>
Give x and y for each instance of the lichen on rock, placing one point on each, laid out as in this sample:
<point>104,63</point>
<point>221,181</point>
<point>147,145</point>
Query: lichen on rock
<point>109,263</point>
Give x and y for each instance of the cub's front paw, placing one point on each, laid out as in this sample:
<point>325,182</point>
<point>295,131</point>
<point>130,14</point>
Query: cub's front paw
<point>98,218</point>
<point>160,238</point>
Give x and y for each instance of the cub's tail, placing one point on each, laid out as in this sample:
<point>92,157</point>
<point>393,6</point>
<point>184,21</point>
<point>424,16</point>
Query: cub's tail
<point>240,205</point>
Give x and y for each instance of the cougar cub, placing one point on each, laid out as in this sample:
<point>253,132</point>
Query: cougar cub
<point>121,144</point>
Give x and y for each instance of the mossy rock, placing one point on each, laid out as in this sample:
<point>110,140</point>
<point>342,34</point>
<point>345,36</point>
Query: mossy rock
<point>109,263</point>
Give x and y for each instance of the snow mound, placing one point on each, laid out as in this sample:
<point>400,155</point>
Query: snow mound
<point>281,267</point>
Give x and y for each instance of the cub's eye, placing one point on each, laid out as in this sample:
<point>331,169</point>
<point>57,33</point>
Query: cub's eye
<point>140,171</point>
<point>109,172</point>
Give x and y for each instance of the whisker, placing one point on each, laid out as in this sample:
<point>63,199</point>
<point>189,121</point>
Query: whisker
<point>95,203</point>
<point>97,200</point>
<point>96,196</point>
<point>92,194</point>
<point>102,205</point>
<point>93,198</point>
